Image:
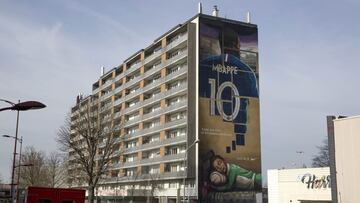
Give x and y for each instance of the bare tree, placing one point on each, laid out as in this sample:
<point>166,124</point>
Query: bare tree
<point>322,159</point>
<point>89,140</point>
<point>36,174</point>
<point>56,169</point>
<point>153,183</point>
<point>133,184</point>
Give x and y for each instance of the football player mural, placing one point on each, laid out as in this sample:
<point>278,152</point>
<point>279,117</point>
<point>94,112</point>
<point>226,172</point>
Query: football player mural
<point>229,121</point>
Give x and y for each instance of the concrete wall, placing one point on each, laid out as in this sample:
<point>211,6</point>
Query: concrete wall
<point>347,152</point>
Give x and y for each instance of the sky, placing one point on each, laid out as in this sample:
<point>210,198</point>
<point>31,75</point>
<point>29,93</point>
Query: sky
<point>309,54</point>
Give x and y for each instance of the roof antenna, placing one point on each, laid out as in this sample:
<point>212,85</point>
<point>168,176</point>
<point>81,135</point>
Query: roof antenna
<point>215,11</point>
<point>248,18</point>
<point>102,70</point>
<point>200,8</point>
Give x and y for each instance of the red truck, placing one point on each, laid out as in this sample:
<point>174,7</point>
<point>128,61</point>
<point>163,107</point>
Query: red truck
<point>54,195</point>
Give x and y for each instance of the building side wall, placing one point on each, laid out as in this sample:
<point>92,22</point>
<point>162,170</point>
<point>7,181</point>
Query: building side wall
<point>191,98</point>
<point>347,151</point>
<point>273,186</point>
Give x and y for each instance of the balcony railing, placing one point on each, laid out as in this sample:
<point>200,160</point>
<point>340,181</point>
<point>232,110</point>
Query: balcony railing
<point>157,144</point>
<point>158,159</point>
<point>149,87</point>
<point>134,67</point>
<point>151,72</point>
<point>144,177</point>
<point>107,84</point>
<point>106,96</point>
<point>176,42</point>
<point>156,129</point>
<point>96,90</point>
<point>165,110</point>
<point>153,56</point>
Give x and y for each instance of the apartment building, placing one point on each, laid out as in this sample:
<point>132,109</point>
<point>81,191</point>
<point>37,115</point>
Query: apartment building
<point>150,104</point>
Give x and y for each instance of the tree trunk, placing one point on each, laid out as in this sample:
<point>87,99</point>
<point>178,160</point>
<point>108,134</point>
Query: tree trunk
<point>91,191</point>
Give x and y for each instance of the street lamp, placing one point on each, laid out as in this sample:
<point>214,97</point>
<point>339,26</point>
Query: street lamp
<point>19,163</point>
<point>20,106</point>
<point>185,167</point>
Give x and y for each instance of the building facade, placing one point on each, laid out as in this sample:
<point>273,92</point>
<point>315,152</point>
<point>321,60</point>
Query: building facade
<point>299,185</point>
<point>343,135</point>
<point>150,106</point>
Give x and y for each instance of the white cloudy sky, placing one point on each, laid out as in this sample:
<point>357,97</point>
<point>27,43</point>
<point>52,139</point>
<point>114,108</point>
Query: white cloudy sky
<point>309,63</point>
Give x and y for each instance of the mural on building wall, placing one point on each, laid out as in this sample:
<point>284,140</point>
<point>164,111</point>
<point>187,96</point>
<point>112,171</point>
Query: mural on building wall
<point>229,129</point>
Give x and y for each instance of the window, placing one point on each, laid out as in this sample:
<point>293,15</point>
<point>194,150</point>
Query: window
<point>132,130</point>
<point>133,103</point>
<point>131,158</point>
<point>133,116</point>
<point>176,133</point>
<point>131,144</point>
<point>173,54</point>
<point>154,138</point>
<point>175,84</point>
<point>152,124</point>
<point>173,101</point>
<point>176,37</point>
<point>157,49</point>
<point>174,168</point>
<point>154,169</point>
<point>173,185</point>
<point>156,92</point>
<point>176,68</point>
<point>154,154</point>
<point>130,172</point>
<point>151,139</point>
<point>155,108</point>
<point>177,116</point>
<point>175,150</point>
<point>134,89</point>
<point>133,64</point>
<point>156,64</point>
<point>132,77</point>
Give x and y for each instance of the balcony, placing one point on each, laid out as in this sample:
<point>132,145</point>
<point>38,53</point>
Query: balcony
<point>154,145</point>
<point>144,177</point>
<point>107,95</point>
<point>168,109</point>
<point>176,42</point>
<point>128,123</point>
<point>117,114</point>
<point>95,91</point>
<point>156,98</point>
<point>153,85</point>
<point>153,56</point>
<point>176,58</point>
<point>158,159</point>
<point>107,84</point>
<point>156,129</point>
<point>133,68</point>
<point>105,107</point>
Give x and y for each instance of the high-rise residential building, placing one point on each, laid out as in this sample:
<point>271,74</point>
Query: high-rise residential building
<point>167,113</point>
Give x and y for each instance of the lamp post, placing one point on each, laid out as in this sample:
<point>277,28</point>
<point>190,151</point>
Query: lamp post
<point>18,178</point>
<point>19,163</point>
<point>18,175</point>
<point>185,167</point>
<point>301,154</point>
<point>20,106</point>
